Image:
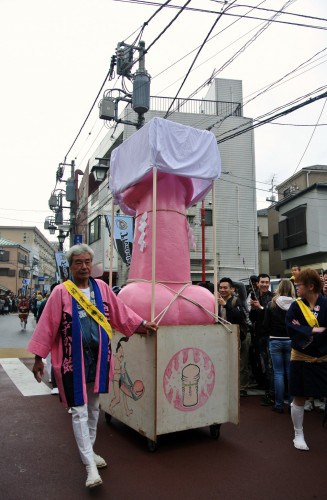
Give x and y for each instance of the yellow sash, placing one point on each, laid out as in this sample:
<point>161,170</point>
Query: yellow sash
<point>309,316</point>
<point>87,305</point>
<point>300,356</point>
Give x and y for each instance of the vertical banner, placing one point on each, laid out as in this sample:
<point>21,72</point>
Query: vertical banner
<point>62,266</point>
<point>123,236</point>
<point>78,239</point>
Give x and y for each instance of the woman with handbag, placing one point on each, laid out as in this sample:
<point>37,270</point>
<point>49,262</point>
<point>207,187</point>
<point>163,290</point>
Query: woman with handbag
<point>306,321</point>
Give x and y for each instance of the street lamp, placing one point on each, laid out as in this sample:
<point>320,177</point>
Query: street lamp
<point>49,224</point>
<point>52,228</point>
<point>61,238</point>
<point>100,170</point>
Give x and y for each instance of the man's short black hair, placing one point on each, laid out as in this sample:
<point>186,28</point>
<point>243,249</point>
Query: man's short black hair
<point>208,285</point>
<point>53,286</point>
<point>227,280</point>
<point>263,275</point>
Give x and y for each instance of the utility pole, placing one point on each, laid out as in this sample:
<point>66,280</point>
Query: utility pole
<point>203,233</point>
<point>272,198</point>
<point>140,97</point>
<point>56,205</point>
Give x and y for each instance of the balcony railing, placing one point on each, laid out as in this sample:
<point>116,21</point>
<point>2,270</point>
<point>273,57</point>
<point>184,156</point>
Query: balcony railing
<point>196,106</point>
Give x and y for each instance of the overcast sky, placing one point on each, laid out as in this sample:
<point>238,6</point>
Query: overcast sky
<point>55,55</point>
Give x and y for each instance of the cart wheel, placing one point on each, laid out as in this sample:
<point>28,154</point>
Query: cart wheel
<point>215,431</point>
<point>152,445</point>
<point>107,416</point>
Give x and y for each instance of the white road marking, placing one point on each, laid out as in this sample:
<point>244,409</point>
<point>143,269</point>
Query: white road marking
<point>23,378</point>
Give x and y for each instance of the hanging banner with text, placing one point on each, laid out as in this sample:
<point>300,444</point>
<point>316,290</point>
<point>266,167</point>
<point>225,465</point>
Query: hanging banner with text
<point>123,236</point>
<point>62,266</point>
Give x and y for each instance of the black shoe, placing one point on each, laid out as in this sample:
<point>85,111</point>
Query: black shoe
<point>277,410</point>
<point>267,401</point>
<point>243,393</point>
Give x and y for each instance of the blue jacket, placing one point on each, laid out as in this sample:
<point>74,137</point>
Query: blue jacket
<point>301,335</point>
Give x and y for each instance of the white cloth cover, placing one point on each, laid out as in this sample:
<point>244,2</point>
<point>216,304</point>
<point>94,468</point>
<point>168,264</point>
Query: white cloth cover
<point>172,148</point>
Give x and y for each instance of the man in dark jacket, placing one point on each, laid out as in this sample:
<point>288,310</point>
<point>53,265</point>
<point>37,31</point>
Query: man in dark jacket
<point>231,309</point>
<point>261,363</point>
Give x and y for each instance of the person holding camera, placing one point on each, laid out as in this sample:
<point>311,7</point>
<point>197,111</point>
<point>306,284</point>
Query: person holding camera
<point>261,364</point>
<point>231,309</point>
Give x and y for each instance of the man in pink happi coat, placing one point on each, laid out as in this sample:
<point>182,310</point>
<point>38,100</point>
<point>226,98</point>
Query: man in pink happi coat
<point>81,351</point>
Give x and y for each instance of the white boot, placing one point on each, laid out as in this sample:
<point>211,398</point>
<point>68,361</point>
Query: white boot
<point>299,441</point>
<point>93,477</point>
<point>99,461</point>
<point>297,413</point>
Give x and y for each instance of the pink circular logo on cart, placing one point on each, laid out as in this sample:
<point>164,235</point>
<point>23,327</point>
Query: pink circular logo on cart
<point>189,379</point>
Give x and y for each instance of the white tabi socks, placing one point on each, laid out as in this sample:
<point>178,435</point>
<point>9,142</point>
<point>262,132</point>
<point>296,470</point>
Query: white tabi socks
<point>297,413</point>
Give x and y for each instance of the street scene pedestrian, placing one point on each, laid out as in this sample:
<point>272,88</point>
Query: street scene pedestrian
<point>261,360</point>
<point>279,341</point>
<point>23,311</point>
<point>74,327</point>
<point>306,322</point>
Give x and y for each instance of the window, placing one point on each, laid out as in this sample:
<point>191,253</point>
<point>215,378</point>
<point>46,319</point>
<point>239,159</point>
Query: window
<point>293,230</point>
<point>208,217</point>
<point>95,230</point>
<point>95,197</point>
<point>22,258</point>
<point>190,219</point>
<point>264,243</point>
<point>4,256</point>
<point>5,271</point>
<point>276,241</point>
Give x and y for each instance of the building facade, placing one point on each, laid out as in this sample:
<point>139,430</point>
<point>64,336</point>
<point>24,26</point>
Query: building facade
<point>14,267</point>
<point>41,262</point>
<point>263,241</point>
<point>297,222</point>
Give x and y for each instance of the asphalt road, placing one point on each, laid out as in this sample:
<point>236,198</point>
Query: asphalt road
<point>255,460</point>
<point>11,334</point>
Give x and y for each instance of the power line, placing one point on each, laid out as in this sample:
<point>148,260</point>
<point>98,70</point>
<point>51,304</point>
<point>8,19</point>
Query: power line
<point>300,124</point>
<point>195,58</point>
<point>207,11</point>
<point>168,25</point>
<point>108,74</point>
<point>161,6</point>
<point>242,49</point>
<point>278,115</point>
<point>321,112</point>
<point>87,116</point>
<point>272,10</point>
<point>269,87</point>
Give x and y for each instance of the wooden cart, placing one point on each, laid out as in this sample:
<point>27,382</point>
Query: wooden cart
<point>184,377</point>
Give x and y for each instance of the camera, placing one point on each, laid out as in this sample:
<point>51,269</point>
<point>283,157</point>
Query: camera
<point>253,297</point>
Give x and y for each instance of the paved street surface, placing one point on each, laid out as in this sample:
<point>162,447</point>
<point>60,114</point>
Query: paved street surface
<point>255,460</point>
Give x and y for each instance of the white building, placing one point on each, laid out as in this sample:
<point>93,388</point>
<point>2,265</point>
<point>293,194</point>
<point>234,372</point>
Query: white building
<point>236,221</point>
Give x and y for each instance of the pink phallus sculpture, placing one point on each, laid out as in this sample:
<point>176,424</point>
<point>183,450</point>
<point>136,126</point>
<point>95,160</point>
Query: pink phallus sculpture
<point>186,161</point>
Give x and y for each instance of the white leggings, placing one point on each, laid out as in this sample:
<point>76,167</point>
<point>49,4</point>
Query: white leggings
<point>85,420</point>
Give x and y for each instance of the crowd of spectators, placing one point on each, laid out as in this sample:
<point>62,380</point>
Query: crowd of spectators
<point>265,344</point>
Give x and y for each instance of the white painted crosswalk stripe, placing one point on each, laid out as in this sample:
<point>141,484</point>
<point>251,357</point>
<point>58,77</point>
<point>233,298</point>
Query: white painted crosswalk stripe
<point>23,378</point>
